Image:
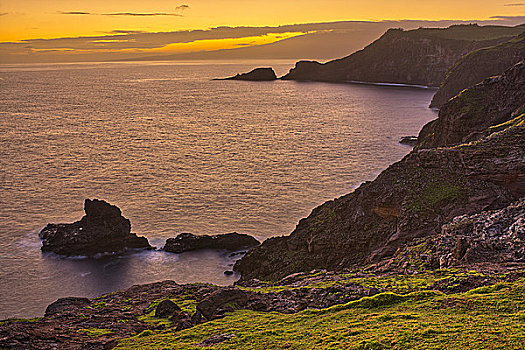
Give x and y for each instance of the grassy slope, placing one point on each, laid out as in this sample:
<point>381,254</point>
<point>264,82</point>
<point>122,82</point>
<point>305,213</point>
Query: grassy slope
<point>490,317</point>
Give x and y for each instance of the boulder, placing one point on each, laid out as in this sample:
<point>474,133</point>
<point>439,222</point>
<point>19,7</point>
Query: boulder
<point>408,140</point>
<point>167,308</point>
<point>258,74</point>
<point>222,301</point>
<point>102,230</point>
<point>181,320</point>
<point>66,304</point>
<point>185,242</point>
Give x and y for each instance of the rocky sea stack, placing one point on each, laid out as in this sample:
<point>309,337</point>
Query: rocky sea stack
<point>102,230</point>
<point>186,242</point>
<point>258,74</point>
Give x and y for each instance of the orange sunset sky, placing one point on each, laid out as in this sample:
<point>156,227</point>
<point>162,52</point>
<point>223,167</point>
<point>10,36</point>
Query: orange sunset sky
<point>24,21</point>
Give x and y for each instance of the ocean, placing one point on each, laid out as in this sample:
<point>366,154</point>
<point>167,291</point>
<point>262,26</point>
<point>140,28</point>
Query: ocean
<point>177,152</point>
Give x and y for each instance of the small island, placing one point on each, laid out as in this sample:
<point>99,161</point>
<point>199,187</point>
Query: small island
<point>258,74</point>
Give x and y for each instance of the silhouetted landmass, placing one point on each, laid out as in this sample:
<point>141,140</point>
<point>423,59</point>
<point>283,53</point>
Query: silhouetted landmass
<point>102,230</point>
<point>417,57</point>
<point>186,242</point>
<point>479,65</point>
<point>258,74</point>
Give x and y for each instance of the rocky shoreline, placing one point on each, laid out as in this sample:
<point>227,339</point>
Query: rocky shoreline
<point>441,230</point>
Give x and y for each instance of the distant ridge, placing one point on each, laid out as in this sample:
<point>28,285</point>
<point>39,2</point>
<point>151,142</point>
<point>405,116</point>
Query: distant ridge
<point>417,57</point>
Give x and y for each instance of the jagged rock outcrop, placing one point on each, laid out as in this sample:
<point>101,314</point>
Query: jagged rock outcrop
<point>186,242</point>
<point>493,236</point>
<point>411,199</point>
<point>490,239</point>
<point>167,308</point>
<point>258,74</point>
<point>102,230</point>
<point>478,66</point>
<point>465,118</point>
<point>419,57</point>
<point>66,304</point>
<point>408,140</point>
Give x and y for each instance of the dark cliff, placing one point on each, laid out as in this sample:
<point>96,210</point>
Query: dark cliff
<point>420,57</point>
<point>479,65</point>
<point>411,199</point>
<point>465,117</point>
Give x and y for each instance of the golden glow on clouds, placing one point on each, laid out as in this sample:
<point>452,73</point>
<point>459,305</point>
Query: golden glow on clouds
<point>208,45</point>
<point>197,45</point>
<point>29,19</point>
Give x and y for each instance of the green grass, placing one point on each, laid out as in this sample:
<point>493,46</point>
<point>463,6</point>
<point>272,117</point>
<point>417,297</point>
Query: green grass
<point>490,317</point>
<point>187,303</point>
<point>9,320</point>
<point>395,283</point>
<point>436,194</point>
<point>95,332</point>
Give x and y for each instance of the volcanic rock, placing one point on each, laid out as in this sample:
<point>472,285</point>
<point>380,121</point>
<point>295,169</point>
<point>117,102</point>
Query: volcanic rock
<point>66,304</point>
<point>167,308</point>
<point>466,117</point>
<point>408,140</point>
<point>102,230</point>
<point>258,74</point>
<point>185,242</point>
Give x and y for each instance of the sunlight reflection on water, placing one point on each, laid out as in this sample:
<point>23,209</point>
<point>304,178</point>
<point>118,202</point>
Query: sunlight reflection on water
<point>177,152</point>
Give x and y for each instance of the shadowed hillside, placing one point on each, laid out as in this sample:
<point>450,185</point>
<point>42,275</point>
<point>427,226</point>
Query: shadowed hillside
<point>420,56</point>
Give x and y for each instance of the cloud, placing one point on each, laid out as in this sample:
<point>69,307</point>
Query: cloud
<point>3,13</point>
<point>135,14</point>
<point>516,4</point>
<point>142,14</point>
<point>119,43</point>
<point>75,13</point>
<point>519,18</point>
<point>182,7</point>
<point>117,31</point>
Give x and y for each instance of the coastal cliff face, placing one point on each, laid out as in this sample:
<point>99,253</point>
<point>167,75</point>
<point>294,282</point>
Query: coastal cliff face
<point>466,117</point>
<point>479,65</point>
<point>419,57</point>
<point>411,199</point>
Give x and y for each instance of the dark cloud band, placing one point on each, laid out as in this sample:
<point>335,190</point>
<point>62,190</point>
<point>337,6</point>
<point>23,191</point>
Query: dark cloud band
<point>133,14</point>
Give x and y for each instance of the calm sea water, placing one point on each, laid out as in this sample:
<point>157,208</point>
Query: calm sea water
<point>177,152</point>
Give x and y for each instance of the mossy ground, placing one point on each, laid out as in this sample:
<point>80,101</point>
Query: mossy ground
<point>95,332</point>
<point>186,302</point>
<point>491,317</point>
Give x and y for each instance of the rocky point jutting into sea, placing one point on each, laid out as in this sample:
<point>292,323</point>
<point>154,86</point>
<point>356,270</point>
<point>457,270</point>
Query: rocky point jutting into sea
<point>415,197</point>
<point>429,254</point>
